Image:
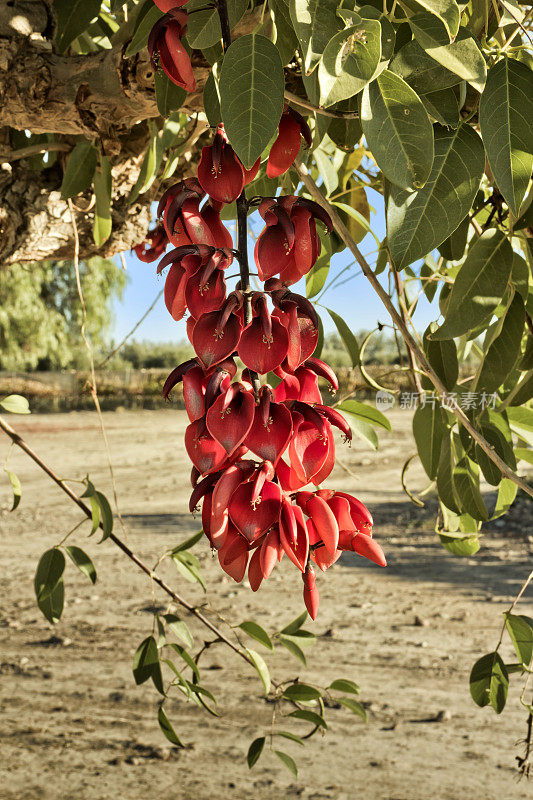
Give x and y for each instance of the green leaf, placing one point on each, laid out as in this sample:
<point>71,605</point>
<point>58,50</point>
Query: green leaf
<point>445,487</point>
<point>187,658</point>
<point>309,716</point>
<point>73,17</point>
<point>48,584</point>
<point>49,572</point>
<point>212,101</point>
<point>479,285</point>
<point>505,114</point>
<point>316,278</point>
<point>350,61</point>
<point>293,649</point>
<point>189,570</point>
<point>83,562</point>
<point>169,97</point>
<point>315,22</point>
<point>301,693</point>
<point>16,486</point>
<point>284,36</point>
<point>344,685</point>
<point>188,543</point>
<point>348,339</point>
<point>429,430</point>
<point>203,27</point>
<point>261,667</point>
<point>388,35</point>
<point>179,629</point>
<point>462,57</point>
<point>442,355</point>
<point>106,515</point>
<point>288,761</point>
<point>142,30</point>
<point>291,736</point>
<point>489,682</point>
<point>95,514</point>
<point>419,222</point>
<point>524,454</point>
<point>146,664</point>
<point>420,71</point>
<point>150,164</point>
<point>364,431</point>
<point>442,105</point>
<point>504,350</point>
<point>251,95</point>
<point>254,751</point>
<point>257,632</point>
<point>296,624</point>
<point>447,11</point>
<point>354,706</point>
<point>397,130</point>
<point>365,412</point>
<point>466,483</point>
<point>15,404</point>
<point>453,248</point>
<point>102,191</point>
<point>167,728</point>
<point>460,545</point>
<point>506,496</point>
<point>520,629</point>
<point>80,169</point>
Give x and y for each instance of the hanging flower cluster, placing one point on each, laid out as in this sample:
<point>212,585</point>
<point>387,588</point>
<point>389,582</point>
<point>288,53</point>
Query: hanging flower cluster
<point>256,449</point>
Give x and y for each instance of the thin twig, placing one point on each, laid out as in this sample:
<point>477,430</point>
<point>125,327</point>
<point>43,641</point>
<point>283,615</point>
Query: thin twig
<point>19,442</point>
<point>35,150</point>
<point>400,291</point>
<point>452,404</point>
<point>125,339</point>
<point>299,101</point>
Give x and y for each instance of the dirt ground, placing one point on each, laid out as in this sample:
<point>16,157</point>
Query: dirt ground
<point>74,725</point>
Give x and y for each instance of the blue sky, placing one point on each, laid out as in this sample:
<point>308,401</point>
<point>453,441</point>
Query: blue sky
<point>354,300</point>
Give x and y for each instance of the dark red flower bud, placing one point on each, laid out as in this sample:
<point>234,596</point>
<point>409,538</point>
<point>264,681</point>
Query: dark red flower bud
<point>292,127</point>
<point>311,596</point>
<point>164,45</point>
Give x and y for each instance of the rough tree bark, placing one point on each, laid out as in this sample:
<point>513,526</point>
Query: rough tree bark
<point>103,96</point>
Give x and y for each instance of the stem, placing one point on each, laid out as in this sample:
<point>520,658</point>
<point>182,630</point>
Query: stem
<point>300,101</point>
<point>406,317</point>
<point>424,364</point>
<point>17,439</point>
<point>242,210</point>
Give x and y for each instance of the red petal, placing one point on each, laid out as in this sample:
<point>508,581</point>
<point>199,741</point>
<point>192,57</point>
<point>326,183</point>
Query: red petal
<point>297,551</point>
<point>307,452</point>
<point>262,353</point>
<point>325,523</point>
<point>250,174</point>
<point>229,423</point>
<point>272,252</point>
<point>225,183</point>
<point>270,552</point>
<point>224,488</point>
<point>175,60</point>
<point>203,298</point>
<point>269,441</point>
<point>194,393</point>
<point>255,572</point>
<point>253,519</point>
<point>329,462</point>
<point>206,453</point>
<point>211,344</point>
<point>365,546</point>
<point>233,556</point>
<point>285,148</point>
<point>221,235</point>
<point>175,284</point>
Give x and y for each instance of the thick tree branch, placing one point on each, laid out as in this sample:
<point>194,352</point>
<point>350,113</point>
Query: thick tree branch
<point>413,346</point>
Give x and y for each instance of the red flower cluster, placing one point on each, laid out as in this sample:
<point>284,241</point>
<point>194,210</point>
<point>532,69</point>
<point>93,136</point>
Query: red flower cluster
<point>259,453</point>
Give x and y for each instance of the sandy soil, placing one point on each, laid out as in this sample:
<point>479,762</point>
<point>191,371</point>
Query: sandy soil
<point>74,725</point>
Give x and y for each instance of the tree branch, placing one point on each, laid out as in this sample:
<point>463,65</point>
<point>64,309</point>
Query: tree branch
<point>424,364</point>
<point>19,442</point>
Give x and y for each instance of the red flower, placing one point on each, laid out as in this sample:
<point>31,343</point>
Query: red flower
<point>289,245</point>
<point>152,246</point>
<point>165,47</point>
<point>292,127</point>
<point>169,5</point>
<point>220,172</point>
